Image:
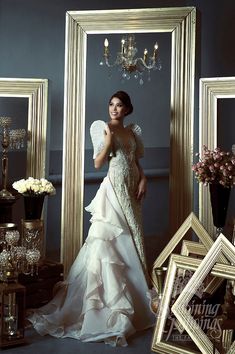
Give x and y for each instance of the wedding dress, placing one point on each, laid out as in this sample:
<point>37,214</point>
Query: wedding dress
<point>105,296</point>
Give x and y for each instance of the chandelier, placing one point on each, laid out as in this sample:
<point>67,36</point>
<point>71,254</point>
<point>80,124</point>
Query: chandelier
<point>127,61</point>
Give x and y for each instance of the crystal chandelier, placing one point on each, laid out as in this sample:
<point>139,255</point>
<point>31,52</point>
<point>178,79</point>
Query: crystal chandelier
<point>128,63</point>
<point>13,139</point>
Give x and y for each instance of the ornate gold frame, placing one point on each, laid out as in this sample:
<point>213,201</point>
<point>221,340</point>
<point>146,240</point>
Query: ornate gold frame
<point>36,91</point>
<point>181,23</point>
<point>191,222</point>
<point>191,247</point>
<point>221,247</point>
<point>211,89</point>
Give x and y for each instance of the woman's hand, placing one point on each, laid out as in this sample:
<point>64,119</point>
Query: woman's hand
<point>102,157</point>
<point>142,188</point>
<point>108,138</point>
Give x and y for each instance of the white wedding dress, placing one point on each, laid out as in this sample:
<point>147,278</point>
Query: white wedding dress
<point>105,296</point>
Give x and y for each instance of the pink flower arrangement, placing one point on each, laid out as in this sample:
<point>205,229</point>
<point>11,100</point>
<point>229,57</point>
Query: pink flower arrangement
<point>215,166</point>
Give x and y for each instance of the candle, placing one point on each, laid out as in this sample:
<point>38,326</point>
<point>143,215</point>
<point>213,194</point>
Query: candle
<point>122,45</point>
<point>145,54</point>
<point>106,47</point>
<point>155,48</point>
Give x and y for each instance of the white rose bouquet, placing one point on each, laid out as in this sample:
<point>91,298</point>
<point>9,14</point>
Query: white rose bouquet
<point>33,186</point>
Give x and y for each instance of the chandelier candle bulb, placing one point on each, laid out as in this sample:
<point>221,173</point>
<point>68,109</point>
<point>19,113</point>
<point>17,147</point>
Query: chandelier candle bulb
<point>155,50</point>
<point>106,47</point>
<point>122,45</point>
<point>145,55</point>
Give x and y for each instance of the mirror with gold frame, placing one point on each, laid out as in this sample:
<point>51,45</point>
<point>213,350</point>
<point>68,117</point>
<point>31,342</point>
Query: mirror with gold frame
<point>181,23</point>
<point>211,90</point>
<point>36,93</point>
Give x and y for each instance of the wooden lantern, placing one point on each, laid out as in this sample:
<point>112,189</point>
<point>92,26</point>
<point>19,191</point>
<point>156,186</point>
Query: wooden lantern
<point>12,314</point>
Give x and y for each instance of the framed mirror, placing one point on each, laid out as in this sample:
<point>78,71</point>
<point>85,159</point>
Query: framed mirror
<point>181,24</point>
<point>25,101</point>
<point>213,93</point>
<point>35,91</point>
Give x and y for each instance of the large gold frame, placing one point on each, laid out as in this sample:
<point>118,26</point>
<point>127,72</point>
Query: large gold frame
<point>36,91</point>
<point>211,89</point>
<point>181,23</point>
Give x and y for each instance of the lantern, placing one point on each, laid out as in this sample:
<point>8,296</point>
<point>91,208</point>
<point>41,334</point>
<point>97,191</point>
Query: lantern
<point>12,314</point>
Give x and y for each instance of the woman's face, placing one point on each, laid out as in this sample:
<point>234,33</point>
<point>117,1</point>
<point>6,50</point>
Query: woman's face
<point>117,110</point>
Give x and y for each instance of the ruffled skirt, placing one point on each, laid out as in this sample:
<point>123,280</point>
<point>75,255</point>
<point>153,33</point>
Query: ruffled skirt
<point>105,296</point>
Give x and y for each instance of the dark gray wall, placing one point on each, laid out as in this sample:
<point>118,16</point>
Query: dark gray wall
<point>32,46</point>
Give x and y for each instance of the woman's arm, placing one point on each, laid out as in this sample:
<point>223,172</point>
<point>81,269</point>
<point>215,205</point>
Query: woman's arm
<point>142,186</point>
<point>103,156</point>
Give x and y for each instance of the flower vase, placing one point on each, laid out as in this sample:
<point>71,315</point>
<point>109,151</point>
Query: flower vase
<point>219,196</point>
<point>33,205</point>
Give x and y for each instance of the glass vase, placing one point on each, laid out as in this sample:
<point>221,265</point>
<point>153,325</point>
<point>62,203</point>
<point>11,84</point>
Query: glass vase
<point>33,205</point>
<point>219,197</point>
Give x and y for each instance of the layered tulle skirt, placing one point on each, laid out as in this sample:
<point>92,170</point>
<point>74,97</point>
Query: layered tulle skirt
<point>105,296</point>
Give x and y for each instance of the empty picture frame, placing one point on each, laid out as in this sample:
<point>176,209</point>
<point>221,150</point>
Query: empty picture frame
<point>191,222</point>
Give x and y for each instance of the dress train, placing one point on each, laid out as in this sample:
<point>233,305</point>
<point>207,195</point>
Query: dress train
<point>105,296</point>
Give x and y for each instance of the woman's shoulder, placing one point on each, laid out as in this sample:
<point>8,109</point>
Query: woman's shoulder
<point>135,128</point>
<point>98,124</point>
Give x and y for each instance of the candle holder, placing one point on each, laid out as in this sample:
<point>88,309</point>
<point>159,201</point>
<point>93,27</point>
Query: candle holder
<point>160,273</point>
<point>15,256</point>
<point>12,314</point>
<point>13,139</point>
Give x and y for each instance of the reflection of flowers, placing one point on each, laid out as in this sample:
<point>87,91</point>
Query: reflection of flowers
<point>33,186</point>
<point>215,166</point>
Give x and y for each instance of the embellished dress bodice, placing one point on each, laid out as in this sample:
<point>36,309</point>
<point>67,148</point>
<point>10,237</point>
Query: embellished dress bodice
<point>124,176</point>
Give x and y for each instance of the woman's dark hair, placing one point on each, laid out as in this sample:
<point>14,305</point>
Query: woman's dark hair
<point>125,98</point>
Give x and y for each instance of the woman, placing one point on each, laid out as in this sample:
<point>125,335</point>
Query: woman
<point>105,297</point>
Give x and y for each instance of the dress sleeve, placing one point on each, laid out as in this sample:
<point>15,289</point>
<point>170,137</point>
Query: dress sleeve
<point>138,138</point>
<point>97,136</point>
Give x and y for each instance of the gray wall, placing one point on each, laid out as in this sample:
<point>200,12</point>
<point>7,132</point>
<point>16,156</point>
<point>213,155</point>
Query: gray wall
<point>32,35</point>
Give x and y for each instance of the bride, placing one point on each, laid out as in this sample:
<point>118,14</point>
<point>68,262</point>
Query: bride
<point>105,296</point>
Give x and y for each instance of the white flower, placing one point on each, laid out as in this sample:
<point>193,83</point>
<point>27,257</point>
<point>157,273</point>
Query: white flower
<point>33,186</point>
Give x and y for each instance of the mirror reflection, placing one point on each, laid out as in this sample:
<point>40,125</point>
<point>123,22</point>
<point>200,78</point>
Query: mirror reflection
<point>226,138</point>
<point>17,109</point>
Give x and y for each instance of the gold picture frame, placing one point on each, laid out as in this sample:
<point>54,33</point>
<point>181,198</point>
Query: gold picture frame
<point>210,90</point>
<point>221,247</point>
<point>191,247</point>
<point>36,91</point>
<point>178,264</point>
<point>181,23</point>
<point>191,222</point>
